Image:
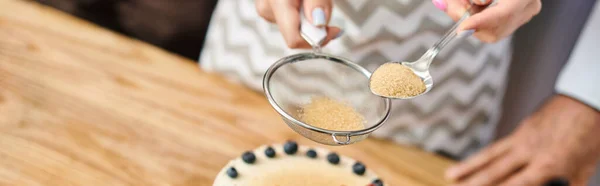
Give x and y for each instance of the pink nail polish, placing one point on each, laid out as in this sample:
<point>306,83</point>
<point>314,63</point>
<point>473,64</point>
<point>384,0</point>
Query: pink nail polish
<point>440,4</point>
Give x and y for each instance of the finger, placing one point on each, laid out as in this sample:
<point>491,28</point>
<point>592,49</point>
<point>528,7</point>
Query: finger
<point>580,181</point>
<point>534,7</point>
<point>531,9</point>
<point>487,36</point>
<point>456,8</point>
<point>481,2</point>
<point>499,169</point>
<point>263,8</point>
<point>497,22</point>
<point>584,174</point>
<point>477,161</point>
<point>317,12</point>
<point>332,33</point>
<point>288,21</point>
<point>490,16</point>
<point>531,175</point>
<point>486,23</point>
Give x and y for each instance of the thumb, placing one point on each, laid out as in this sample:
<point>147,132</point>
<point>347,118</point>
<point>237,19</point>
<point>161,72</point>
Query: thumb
<point>332,33</point>
<point>318,12</point>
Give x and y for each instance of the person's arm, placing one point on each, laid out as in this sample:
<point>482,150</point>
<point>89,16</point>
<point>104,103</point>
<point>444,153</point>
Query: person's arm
<point>580,78</point>
<point>558,142</point>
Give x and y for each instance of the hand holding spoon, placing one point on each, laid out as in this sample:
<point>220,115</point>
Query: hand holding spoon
<point>395,80</point>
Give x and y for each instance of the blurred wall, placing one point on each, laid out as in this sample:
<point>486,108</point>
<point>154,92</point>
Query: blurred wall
<point>175,25</point>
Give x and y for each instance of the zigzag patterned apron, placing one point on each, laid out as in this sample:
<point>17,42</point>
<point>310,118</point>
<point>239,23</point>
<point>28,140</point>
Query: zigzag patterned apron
<point>457,117</point>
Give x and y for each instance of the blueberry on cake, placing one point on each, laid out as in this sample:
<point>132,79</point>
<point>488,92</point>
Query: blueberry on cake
<point>291,165</point>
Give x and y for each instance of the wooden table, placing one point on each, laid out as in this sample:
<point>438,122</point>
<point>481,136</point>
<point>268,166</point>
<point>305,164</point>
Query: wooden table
<point>80,105</point>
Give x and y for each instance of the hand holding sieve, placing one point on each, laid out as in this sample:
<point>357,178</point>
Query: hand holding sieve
<point>324,75</point>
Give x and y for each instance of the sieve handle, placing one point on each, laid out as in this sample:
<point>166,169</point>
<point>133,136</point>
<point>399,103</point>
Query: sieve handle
<point>335,135</point>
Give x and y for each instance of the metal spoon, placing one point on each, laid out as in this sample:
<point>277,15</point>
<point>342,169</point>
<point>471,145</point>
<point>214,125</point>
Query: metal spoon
<point>421,66</point>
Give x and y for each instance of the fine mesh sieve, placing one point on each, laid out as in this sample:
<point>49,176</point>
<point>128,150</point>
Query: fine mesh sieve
<point>292,81</point>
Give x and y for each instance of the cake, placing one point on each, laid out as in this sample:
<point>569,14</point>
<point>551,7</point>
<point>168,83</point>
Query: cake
<point>292,165</point>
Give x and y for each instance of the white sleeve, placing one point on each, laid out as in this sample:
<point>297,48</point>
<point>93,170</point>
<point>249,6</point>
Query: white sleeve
<point>580,78</point>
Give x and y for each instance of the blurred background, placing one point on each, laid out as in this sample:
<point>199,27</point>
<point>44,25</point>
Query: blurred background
<point>175,25</point>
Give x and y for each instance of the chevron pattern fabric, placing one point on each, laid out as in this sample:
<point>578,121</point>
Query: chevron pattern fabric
<point>457,116</point>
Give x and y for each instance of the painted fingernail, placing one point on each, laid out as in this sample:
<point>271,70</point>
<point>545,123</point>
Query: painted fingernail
<point>440,4</point>
<point>465,33</point>
<point>318,17</point>
<point>339,34</point>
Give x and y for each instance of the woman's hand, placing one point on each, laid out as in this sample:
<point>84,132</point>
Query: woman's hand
<point>495,22</point>
<point>285,14</point>
<point>560,140</point>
